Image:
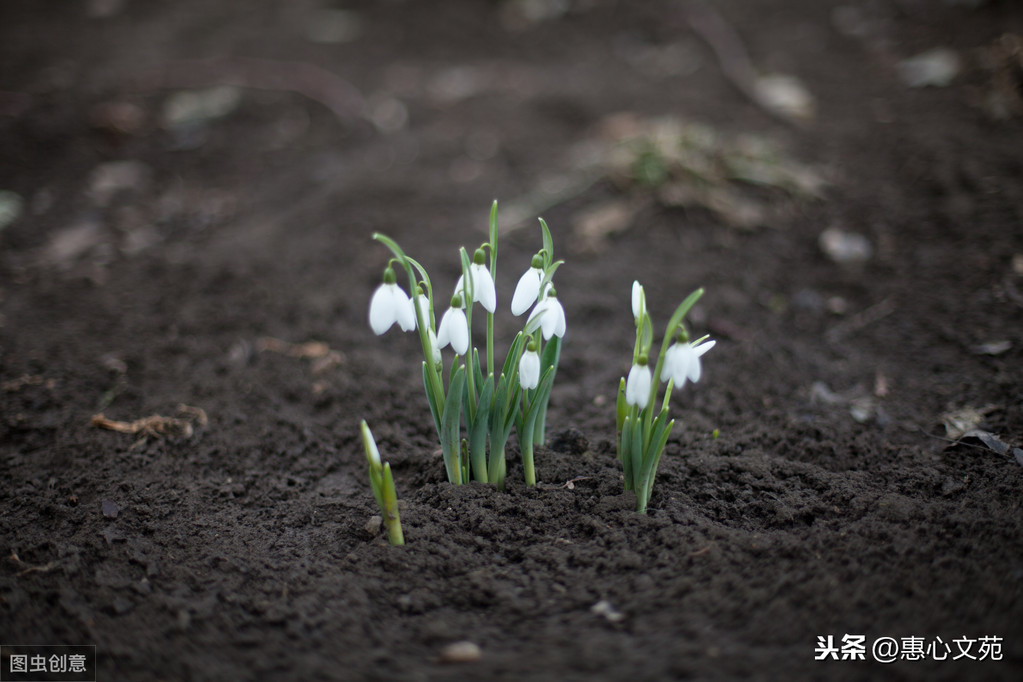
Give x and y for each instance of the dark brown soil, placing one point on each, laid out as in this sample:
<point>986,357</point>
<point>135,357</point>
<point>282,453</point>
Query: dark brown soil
<point>831,502</point>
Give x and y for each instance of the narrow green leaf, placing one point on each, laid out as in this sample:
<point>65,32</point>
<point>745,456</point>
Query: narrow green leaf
<point>514,353</point>
<point>548,244</point>
<point>624,451</point>
<point>680,312</point>
<point>450,428</point>
<point>478,432</point>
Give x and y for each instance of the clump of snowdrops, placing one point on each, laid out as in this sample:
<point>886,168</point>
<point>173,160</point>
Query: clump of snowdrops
<point>492,397</point>
<point>642,436</point>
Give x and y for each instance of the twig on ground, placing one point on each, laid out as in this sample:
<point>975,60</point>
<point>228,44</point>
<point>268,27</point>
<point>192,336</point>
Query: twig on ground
<point>156,426</point>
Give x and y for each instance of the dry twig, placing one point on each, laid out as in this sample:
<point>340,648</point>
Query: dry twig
<point>156,426</point>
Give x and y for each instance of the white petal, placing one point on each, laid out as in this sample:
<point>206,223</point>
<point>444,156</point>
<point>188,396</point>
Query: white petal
<point>383,308</point>
<point>540,311</point>
<point>694,369</point>
<point>637,386</point>
<point>484,290</point>
<point>559,314</point>
<point>406,314</point>
<point>704,347</point>
<point>549,321</point>
<point>444,330</point>
<point>637,299</point>
<point>684,360</point>
<point>459,331</point>
<point>529,369</point>
<point>526,291</point>
<point>670,360</point>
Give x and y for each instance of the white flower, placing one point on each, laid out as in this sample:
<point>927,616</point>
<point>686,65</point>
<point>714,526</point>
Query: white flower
<point>483,290</point>
<point>638,300</point>
<point>682,362</point>
<point>552,316</point>
<point>529,369</point>
<point>454,329</point>
<point>637,386</point>
<point>389,305</point>
<point>526,291</point>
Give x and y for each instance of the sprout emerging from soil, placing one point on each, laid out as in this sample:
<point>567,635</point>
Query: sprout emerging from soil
<point>493,398</point>
<point>641,435</point>
<point>382,482</point>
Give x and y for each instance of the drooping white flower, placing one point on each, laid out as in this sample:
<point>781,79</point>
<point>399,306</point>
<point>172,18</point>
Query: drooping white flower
<point>638,300</point>
<point>389,305</point>
<point>454,329</point>
<point>637,386</point>
<point>552,315</point>
<point>483,290</point>
<point>529,369</point>
<point>682,362</point>
<point>527,290</point>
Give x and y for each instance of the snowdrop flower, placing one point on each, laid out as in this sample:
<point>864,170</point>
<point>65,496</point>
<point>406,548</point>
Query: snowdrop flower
<point>638,300</point>
<point>454,328</point>
<point>528,288</point>
<point>637,386</point>
<point>682,362</point>
<point>529,367</point>
<point>552,315</point>
<point>483,290</point>
<point>389,305</point>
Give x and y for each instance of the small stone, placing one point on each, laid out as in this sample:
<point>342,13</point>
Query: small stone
<point>845,247</point>
<point>110,510</point>
<point>605,609</point>
<point>460,652</point>
<point>373,526</point>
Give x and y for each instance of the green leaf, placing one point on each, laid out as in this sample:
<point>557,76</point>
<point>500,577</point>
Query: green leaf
<point>680,312</point>
<point>478,432</point>
<point>548,244</point>
<point>621,407</point>
<point>625,451</point>
<point>511,361</point>
<point>493,239</point>
<point>450,428</point>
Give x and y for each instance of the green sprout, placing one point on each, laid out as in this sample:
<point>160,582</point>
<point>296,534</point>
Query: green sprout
<point>382,482</point>
<point>642,436</point>
<point>491,398</point>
